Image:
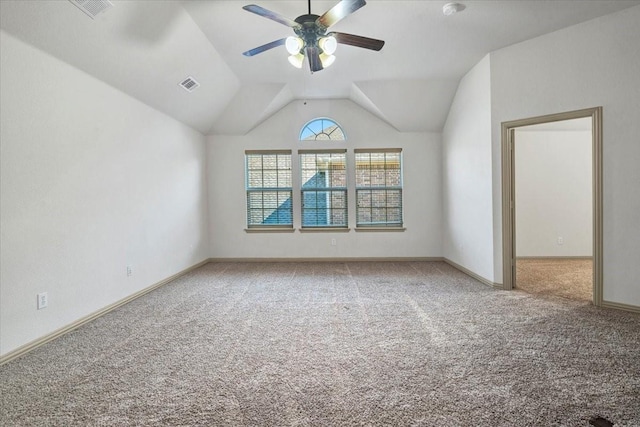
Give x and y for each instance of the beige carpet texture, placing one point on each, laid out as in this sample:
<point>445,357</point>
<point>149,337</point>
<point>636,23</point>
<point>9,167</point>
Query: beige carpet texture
<point>568,278</point>
<point>333,344</point>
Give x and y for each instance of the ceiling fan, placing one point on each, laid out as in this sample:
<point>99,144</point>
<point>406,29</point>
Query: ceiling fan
<point>313,40</point>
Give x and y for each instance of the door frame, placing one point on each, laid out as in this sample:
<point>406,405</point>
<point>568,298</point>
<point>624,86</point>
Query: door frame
<point>508,193</point>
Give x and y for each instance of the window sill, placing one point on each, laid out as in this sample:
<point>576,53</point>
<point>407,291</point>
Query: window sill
<point>324,230</point>
<point>269,230</point>
<point>382,229</point>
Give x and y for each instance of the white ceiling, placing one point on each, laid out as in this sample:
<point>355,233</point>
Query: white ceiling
<point>146,47</point>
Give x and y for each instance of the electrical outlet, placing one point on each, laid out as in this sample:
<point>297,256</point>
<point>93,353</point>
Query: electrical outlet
<point>129,271</point>
<point>560,241</point>
<point>43,300</point>
<point>333,242</point>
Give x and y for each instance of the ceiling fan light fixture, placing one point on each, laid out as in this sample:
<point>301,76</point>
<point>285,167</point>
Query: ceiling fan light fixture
<point>312,41</point>
<point>296,60</point>
<point>328,45</point>
<point>293,45</point>
<point>327,60</point>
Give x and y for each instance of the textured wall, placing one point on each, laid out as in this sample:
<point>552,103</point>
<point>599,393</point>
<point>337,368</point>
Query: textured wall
<point>467,197</point>
<point>91,181</point>
<point>422,188</point>
<point>596,63</point>
<point>553,193</point>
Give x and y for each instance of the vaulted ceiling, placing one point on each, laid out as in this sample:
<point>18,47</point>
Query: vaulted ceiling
<point>145,48</point>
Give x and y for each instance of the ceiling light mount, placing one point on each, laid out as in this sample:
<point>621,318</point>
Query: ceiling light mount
<point>451,8</point>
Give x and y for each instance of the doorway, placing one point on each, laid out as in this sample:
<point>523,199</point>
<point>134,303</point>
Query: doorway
<point>535,246</point>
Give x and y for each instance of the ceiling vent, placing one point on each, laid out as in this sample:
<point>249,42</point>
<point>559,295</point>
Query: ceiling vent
<point>92,7</point>
<point>189,84</point>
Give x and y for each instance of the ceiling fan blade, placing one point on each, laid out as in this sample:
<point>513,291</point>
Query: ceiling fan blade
<point>358,41</point>
<point>339,11</point>
<point>271,15</point>
<point>313,56</point>
<point>260,49</point>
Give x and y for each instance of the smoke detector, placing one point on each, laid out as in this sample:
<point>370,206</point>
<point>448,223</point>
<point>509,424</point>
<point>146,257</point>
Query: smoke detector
<point>451,8</point>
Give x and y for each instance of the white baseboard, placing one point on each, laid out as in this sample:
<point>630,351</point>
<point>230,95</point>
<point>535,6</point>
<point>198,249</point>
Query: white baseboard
<point>22,350</point>
<point>553,257</point>
<point>620,306</point>
<point>472,274</point>
<point>321,259</point>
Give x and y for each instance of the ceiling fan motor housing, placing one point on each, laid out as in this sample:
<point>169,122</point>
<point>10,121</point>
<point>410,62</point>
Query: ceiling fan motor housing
<point>309,31</point>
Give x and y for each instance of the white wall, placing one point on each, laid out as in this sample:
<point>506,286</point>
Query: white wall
<point>553,193</point>
<point>422,188</point>
<point>467,210</point>
<point>91,181</point>
<point>596,63</point>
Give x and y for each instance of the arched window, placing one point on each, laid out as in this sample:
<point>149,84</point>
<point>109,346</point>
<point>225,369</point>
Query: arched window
<point>322,129</point>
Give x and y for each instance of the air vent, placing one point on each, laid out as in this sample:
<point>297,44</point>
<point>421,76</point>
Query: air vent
<point>189,84</point>
<point>92,7</point>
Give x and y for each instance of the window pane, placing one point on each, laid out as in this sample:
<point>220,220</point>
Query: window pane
<point>255,217</point>
<point>377,177</point>
<point>255,179</point>
<point>363,198</point>
<point>379,215</point>
<point>339,199</point>
<point>254,161</point>
<point>364,216</point>
<point>269,200</point>
<point>363,177</point>
<point>322,129</point>
<point>324,208</point>
<point>392,177</point>
<point>270,178</point>
<point>284,161</point>
<point>394,215</point>
<point>378,188</point>
<point>377,160</point>
<point>284,178</point>
<point>266,207</point>
<point>269,162</point>
<point>338,217</point>
<point>378,198</point>
<point>321,206</point>
<point>394,198</point>
<point>393,160</point>
<point>310,179</point>
<point>284,197</point>
<point>255,200</point>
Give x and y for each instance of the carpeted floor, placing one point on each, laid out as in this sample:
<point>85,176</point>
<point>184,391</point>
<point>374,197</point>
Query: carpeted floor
<point>567,278</point>
<point>333,344</point>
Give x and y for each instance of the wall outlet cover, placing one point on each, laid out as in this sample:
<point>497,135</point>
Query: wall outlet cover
<point>43,300</point>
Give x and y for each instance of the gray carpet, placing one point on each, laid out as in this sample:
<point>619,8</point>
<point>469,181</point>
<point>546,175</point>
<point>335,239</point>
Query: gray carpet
<point>333,344</point>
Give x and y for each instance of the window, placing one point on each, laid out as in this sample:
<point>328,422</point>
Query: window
<point>323,188</point>
<point>322,129</point>
<point>378,188</point>
<point>269,189</point>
